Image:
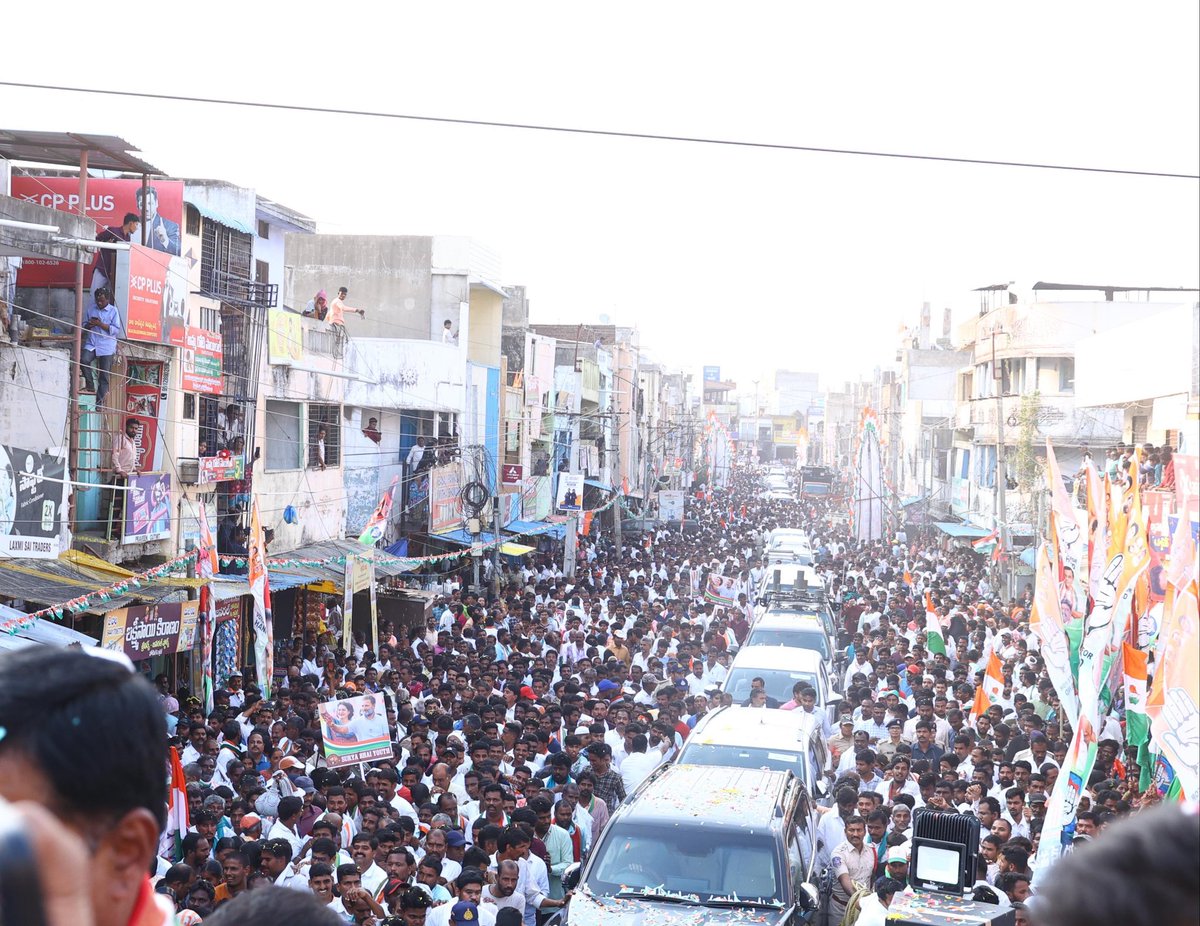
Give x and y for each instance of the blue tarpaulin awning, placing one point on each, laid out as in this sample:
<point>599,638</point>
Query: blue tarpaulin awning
<point>536,528</point>
<point>464,539</point>
<point>961,530</point>
<point>597,484</point>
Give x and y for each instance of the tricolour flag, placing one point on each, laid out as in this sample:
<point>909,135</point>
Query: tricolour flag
<point>169,846</point>
<point>1058,832</point>
<point>986,544</point>
<point>934,641</point>
<point>1046,621</point>
<point>260,591</point>
<point>373,532</point>
<point>1137,722</point>
<point>993,680</point>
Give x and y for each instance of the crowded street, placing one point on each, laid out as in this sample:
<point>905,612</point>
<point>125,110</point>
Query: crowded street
<point>519,727</point>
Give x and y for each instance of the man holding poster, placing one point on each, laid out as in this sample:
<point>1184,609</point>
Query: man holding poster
<point>355,730</point>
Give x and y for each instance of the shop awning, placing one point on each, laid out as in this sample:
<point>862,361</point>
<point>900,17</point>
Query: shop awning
<point>54,581</point>
<point>912,500</point>
<point>47,633</point>
<point>536,529</point>
<point>230,587</point>
<point>516,549</point>
<point>961,530</point>
<point>464,539</point>
<point>597,484</point>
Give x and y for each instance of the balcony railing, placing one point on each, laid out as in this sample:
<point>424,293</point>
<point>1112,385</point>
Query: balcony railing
<point>237,290</point>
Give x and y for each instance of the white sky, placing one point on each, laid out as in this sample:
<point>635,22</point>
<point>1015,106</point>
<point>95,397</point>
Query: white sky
<point>750,259</point>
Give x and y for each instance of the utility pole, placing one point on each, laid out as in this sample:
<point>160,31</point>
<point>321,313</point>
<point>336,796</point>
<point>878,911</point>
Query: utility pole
<point>496,549</point>
<point>618,486</point>
<point>1001,468</point>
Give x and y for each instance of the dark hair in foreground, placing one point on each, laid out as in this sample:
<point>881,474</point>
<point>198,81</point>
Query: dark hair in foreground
<point>92,727</point>
<point>273,906</point>
<point>1147,866</point>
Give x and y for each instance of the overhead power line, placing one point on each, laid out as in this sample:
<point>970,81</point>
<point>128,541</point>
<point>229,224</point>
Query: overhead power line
<point>607,133</point>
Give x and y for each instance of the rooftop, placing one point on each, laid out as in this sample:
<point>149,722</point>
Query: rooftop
<point>104,152</point>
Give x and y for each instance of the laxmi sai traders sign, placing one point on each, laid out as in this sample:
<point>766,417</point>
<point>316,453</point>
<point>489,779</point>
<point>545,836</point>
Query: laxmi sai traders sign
<point>156,630</point>
<point>32,490</point>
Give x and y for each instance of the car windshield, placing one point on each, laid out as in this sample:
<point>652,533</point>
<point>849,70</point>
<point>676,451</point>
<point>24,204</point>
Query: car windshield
<point>799,639</point>
<point>779,683</point>
<point>687,861</point>
<point>778,760</point>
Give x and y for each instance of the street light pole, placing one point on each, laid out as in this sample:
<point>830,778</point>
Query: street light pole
<point>1001,468</point>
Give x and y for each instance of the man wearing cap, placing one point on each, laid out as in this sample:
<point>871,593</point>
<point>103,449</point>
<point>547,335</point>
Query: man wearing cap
<point>844,739</point>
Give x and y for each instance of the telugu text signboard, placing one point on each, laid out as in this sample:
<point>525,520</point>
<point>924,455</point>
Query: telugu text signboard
<point>32,489</point>
<point>143,632</point>
<point>355,730</point>
<point>445,507</point>
<point>201,366</point>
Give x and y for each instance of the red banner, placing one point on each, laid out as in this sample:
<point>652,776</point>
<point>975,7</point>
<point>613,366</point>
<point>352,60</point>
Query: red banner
<point>150,292</point>
<point>108,201</point>
<point>142,401</point>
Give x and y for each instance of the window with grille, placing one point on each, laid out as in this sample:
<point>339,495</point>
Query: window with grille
<point>192,217</point>
<point>283,436</point>
<point>224,253</point>
<point>326,418</point>
<point>1141,425</point>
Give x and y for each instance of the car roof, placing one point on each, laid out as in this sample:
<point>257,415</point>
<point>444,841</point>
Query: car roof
<point>789,620</point>
<point>777,657</point>
<point>753,726</point>
<point>710,795</point>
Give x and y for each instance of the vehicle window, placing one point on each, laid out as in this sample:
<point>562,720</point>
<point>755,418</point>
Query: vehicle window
<point>779,683</point>
<point>797,639</point>
<point>780,760</point>
<point>686,860</point>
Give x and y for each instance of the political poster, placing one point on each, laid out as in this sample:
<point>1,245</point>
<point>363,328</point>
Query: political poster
<point>284,337</point>
<point>222,467</point>
<point>32,493</point>
<point>107,204</point>
<point>200,370</point>
<point>670,504</point>
<point>146,400</point>
<point>147,507</point>
<point>445,507</point>
<point>570,492</point>
<point>146,631</point>
<point>355,730</point>
<point>722,590</point>
<point>360,577</point>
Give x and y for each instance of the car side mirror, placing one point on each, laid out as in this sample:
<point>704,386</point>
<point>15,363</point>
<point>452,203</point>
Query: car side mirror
<point>570,878</point>
<point>808,898</point>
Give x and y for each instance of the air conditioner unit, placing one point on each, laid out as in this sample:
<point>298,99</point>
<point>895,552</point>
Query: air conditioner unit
<point>189,470</point>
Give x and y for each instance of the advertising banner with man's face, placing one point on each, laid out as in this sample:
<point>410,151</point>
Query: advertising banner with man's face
<point>150,290</point>
<point>143,632</point>
<point>355,730</point>
<point>147,507</point>
<point>108,202</point>
<point>32,490</point>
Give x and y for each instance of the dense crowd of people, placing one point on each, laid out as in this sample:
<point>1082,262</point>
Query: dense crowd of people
<point>520,724</point>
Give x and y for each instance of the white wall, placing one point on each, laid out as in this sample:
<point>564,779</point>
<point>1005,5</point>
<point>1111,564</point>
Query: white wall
<point>424,375</point>
<point>1145,359</point>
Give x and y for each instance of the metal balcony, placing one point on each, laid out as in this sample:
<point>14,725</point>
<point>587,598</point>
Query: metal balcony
<point>237,290</point>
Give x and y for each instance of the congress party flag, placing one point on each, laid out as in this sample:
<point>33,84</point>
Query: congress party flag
<point>993,679</point>
<point>1137,723</point>
<point>170,845</point>
<point>934,641</point>
<point>206,568</point>
<point>260,591</point>
<point>1058,832</point>
<point>1046,621</point>
<point>373,532</point>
